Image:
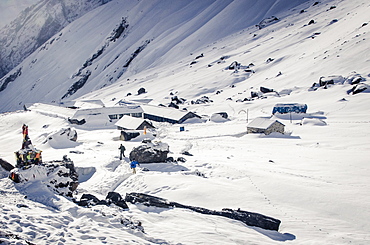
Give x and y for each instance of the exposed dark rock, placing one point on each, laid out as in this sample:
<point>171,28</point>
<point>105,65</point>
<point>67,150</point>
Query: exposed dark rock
<point>199,56</point>
<point>119,30</point>
<point>202,100</point>
<point>254,94</point>
<point>267,22</point>
<point>173,105</point>
<point>88,200</point>
<point>311,22</point>
<point>11,78</point>
<point>193,62</point>
<point>358,88</point>
<point>315,3</point>
<point>170,159</point>
<point>77,85</point>
<point>249,218</point>
<point>141,91</point>
<point>68,133</point>
<point>234,66</point>
<point>181,159</point>
<point>134,225</point>
<point>150,153</point>
<point>59,175</point>
<point>21,205</point>
<point>269,60</point>
<point>266,90</point>
<point>136,53</point>
<point>178,100</point>
<point>116,198</point>
<point>7,166</point>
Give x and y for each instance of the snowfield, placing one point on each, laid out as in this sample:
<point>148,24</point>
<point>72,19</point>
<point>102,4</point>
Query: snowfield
<point>315,177</point>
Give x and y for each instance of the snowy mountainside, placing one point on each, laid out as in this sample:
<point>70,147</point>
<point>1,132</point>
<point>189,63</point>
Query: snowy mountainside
<point>122,38</point>
<point>309,43</point>
<point>35,25</point>
<point>314,177</point>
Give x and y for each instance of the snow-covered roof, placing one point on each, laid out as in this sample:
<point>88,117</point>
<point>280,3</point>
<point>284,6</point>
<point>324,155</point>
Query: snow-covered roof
<point>48,109</point>
<point>109,110</point>
<point>84,104</point>
<point>261,122</point>
<point>129,122</point>
<point>165,112</point>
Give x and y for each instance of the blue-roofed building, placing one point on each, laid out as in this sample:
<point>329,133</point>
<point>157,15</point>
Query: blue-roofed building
<point>287,108</point>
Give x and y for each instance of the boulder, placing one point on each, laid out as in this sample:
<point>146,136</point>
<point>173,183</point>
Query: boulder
<point>7,166</point>
<point>141,91</point>
<point>150,153</point>
<point>88,200</point>
<point>249,218</point>
<point>116,198</point>
<point>267,21</point>
<point>59,175</point>
<point>266,90</point>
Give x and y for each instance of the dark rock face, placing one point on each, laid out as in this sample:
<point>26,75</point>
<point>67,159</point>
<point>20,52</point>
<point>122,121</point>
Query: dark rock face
<point>234,66</point>
<point>202,100</point>
<point>267,22</point>
<point>141,91</point>
<point>7,166</point>
<point>88,200</point>
<point>4,83</point>
<point>77,85</point>
<point>358,88</point>
<point>150,153</point>
<point>59,175</point>
<point>249,218</point>
<point>119,30</point>
<point>266,90</point>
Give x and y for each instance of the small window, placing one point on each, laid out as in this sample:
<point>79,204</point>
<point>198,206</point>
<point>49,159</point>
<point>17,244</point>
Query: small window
<point>115,116</point>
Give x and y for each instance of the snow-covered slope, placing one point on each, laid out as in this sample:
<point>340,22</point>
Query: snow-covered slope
<point>314,178</point>
<point>122,38</point>
<point>35,25</point>
<point>9,10</point>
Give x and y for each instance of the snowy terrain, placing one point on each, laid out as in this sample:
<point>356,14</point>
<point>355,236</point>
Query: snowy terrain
<point>9,9</point>
<point>314,178</point>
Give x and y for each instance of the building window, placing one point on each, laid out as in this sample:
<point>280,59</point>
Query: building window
<point>137,115</point>
<point>112,117</point>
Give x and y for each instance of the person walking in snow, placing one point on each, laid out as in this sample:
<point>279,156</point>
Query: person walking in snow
<point>133,165</point>
<point>122,152</point>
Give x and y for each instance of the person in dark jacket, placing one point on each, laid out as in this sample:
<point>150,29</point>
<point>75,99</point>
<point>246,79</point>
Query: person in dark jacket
<point>133,165</point>
<point>122,151</point>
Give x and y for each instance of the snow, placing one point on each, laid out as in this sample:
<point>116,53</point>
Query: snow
<point>315,179</point>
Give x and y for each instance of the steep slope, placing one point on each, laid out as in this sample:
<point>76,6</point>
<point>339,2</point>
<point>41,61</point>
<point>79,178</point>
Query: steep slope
<point>313,42</point>
<point>35,25</point>
<point>123,38</point>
